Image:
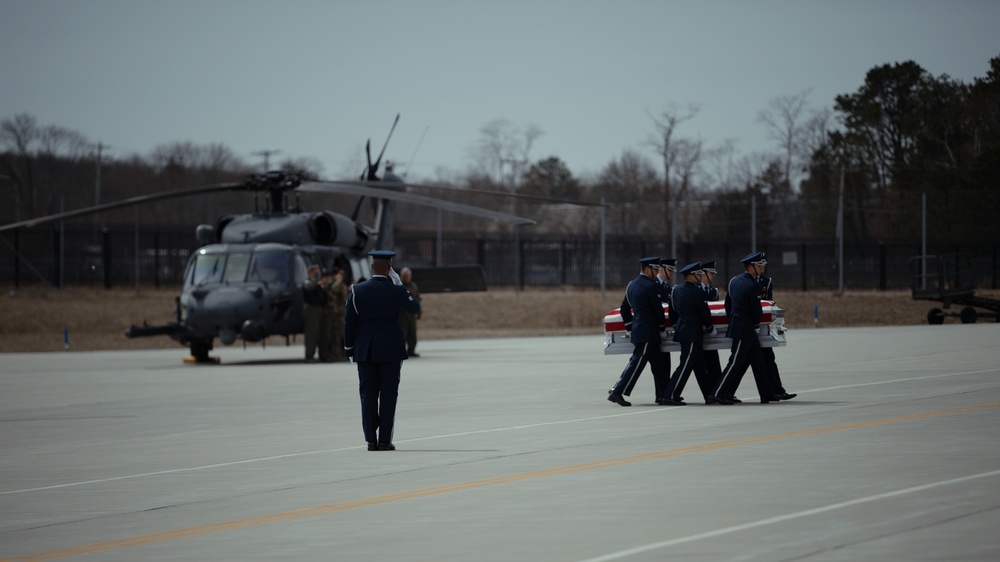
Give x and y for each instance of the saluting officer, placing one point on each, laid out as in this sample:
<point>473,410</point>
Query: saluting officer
<point>712,363</point>
<point>373,338</point>
<point>767,294</point>
<point>744,311</point>
<point>694,320</point>
<point>642,312</point>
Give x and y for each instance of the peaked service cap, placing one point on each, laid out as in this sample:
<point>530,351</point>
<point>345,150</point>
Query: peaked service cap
<point>382,254</point>
<point>692,269</point>
<point>755,258</point>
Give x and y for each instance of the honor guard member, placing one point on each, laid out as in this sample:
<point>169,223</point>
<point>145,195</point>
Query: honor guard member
<point>665,276</point>
<point>373,338</point>
<point>642,312</point>
<point>694,320</point>
<point>712,363</point>
<point>767,294</point>
<point>744,311</point>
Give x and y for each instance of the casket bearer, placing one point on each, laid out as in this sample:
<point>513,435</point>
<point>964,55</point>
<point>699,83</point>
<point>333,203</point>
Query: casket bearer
<point>693,321</point>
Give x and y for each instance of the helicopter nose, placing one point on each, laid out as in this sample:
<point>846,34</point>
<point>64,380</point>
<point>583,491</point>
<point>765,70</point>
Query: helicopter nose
<point>225,311</point>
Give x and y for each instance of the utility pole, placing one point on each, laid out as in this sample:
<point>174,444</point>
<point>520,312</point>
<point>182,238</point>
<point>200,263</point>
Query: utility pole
<point>97,183</point>
<point>267,157</point>
<point>840,234</point>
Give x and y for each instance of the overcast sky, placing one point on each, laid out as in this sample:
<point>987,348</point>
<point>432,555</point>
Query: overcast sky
<point>318,78</point>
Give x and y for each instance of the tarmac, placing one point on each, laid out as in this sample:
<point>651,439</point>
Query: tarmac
<point>507,450</point>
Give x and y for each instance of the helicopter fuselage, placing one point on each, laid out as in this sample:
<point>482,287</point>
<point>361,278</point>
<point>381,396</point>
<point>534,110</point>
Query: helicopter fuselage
<point>246,291</point>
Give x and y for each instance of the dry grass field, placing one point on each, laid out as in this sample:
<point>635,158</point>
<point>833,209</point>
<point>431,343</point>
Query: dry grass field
<point>34,319</point>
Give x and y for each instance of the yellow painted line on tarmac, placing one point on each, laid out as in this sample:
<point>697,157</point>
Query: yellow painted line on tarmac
<point>474,484</point>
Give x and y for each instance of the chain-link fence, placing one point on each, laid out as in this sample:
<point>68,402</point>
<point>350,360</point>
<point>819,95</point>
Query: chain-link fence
<point>123,257</point>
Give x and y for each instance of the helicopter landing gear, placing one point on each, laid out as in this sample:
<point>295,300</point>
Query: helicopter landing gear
<point>199,352</point>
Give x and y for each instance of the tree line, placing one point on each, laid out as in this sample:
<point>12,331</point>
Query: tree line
<point>902,138</point>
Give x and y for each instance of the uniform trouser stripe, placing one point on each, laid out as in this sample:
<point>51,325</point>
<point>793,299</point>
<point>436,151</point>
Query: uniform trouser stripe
<point>631,372</point>
<point>733,360</point>
<point>675,383</point>
<point>634,375</point>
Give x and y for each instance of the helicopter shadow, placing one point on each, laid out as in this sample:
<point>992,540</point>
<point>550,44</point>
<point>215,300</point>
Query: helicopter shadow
<point>251,363</point>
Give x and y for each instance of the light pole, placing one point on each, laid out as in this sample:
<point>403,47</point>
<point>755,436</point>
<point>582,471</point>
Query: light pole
<point>840,233</point>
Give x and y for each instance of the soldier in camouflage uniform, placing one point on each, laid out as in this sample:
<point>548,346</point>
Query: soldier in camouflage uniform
<point>336,299</point>
<point>314,302</point>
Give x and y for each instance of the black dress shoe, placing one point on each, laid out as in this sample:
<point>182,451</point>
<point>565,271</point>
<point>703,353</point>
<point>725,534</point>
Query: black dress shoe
<point>787,396</point>
<point>617,399</point>
<point>734,399</point>
<point>386,447</point>
<point>372,446</point>
<point>767,399</point>
<point>721,400</point>
<point>670,402</point>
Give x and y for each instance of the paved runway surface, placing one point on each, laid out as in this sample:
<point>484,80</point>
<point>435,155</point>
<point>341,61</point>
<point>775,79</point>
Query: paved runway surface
<point>508,450</point>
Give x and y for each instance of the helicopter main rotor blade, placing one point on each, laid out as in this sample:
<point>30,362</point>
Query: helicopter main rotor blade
<point>541,198</point>
<point>365,190</point>
<point>386,144</point>
<point>231,186</point>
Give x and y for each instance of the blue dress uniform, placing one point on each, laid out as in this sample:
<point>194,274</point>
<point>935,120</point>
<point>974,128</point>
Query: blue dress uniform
<point>668,266</point>
<point>642,312</point>
<point>744,311</point>
<point>774,377</point>
<point>373,338</point>
<point>712,363</point>
<point>694,320</point>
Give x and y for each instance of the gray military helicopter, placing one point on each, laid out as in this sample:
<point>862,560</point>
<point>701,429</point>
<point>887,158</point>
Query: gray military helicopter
<point>245,281</point>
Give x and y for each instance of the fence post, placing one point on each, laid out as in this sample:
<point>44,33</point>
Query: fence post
<point>725,264</point>
<point>805,286</point>
<point>562,262</point>
<point>56,252</point>
<point>17,259</point>
<point>156,260</point>
<point>994,266</point>
<point>106,255</point>
<point>882,267</point>
<point>519,248</point>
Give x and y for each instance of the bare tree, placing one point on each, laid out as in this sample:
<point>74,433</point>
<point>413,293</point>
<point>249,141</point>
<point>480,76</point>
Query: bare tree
<point>814,134</point>
<point>39,163</point>
<point>680,157</point>
<point>17,136</point>
<point>503,151</point>
<point>783,118</point>
<point>625,183</point>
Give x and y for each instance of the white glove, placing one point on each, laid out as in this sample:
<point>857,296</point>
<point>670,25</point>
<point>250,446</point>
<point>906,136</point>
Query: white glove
<point>761,329</point>
<point>713,332</point>
<point>394,276</point>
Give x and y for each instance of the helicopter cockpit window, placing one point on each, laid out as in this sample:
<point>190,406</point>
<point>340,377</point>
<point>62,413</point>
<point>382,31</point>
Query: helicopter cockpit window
<point>269,267</point>
<point>208,269</point>
<point>236,267</point>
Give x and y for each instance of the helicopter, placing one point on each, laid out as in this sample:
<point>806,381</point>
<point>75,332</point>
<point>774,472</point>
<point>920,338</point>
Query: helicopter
<point>245,280</point>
